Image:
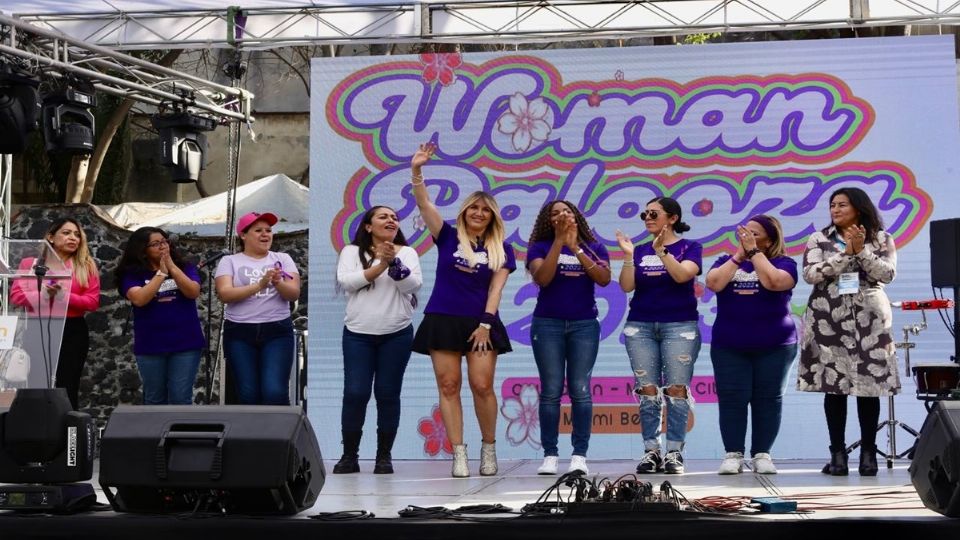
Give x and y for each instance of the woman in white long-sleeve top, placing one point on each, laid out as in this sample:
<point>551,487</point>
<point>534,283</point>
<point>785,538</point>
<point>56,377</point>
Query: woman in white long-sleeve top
<point>380,275</point>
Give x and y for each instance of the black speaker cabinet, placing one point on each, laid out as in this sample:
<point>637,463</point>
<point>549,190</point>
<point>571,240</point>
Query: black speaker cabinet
<point>935,470</point>
<point>944,253</point>
<point>237,459</point>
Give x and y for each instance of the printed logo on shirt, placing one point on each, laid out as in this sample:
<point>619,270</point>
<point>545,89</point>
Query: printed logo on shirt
<point>651,265</point>
<point>167,291</point>
<point>464,265</point>
<point>745,282</point>
<point>252,275</point>
<point>569,265</point>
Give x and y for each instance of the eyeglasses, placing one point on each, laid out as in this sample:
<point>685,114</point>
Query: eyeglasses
<point>157,244</point>
<point>652,214</point>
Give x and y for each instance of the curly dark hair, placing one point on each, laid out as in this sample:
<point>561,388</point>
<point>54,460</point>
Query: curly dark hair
<point>134,258</point>
<point>543,228</point>
<point>868,217</point>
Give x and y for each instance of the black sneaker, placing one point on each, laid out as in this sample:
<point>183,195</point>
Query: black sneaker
<point>673,462</point>
<point>651,463</point>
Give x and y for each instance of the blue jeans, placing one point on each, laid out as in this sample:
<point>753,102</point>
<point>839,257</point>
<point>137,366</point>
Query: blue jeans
<point>168,378</point>
<point>755,377</point>
<point>662,355</point>
<point>562,347</point>
<point>378,361</point>
<point>260,356</point>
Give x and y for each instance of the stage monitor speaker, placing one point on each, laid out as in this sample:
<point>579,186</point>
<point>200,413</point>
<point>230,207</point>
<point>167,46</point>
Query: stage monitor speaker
<point>944,255</point>
<point>237,459</point>
<point>935,470</point>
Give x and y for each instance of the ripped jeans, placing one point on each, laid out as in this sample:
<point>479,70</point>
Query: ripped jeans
<point>662,355</point>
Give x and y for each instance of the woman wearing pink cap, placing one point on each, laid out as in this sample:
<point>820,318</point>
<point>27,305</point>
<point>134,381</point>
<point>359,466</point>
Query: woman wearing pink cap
<point>257,286</point>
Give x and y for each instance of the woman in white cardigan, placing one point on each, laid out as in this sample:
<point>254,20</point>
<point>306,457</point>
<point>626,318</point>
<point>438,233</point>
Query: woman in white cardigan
<point>380,275</point>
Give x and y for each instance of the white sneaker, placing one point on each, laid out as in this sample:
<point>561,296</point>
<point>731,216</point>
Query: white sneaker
<point>578,463</point>
<point>460,468</point>
<point>549,465</point>
<point>732,463</point>
<point>763,464</point>
<point>488,459</point>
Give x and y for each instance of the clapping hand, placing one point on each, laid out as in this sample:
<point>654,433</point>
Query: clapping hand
<point>626,244</point>
<point>854,236</point>
<point>658,246</point>
<point>565,230</point>
<point>386,252</point>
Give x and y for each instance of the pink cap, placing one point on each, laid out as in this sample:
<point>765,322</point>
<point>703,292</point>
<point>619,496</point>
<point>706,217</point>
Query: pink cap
<point>247,220</point>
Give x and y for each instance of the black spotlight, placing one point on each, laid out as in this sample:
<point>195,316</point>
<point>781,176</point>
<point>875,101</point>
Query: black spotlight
<point>183,146</point>
<point>19,109</point>
<point>46,446</point>
<point>68,124</point>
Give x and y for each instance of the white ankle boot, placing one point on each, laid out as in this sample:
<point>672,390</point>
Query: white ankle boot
<point>488,459</point>
<point>460,468</point>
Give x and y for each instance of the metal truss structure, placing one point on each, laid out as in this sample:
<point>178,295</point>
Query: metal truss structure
<point>480,21</point>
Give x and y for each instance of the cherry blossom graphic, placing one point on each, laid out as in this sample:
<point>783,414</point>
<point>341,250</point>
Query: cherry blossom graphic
<point>525,121</point>
<point>440,67</point>
<point>618,76</point>
<point>523,414</point>
<point>419,223</point>
<point>434,434</point>
<point>593,99</point>
<point>703,208</point>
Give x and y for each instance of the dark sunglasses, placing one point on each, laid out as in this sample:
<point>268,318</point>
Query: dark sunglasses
<point>652,214</point>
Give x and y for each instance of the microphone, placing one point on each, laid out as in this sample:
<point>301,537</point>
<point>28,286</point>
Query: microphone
<point>211,260</point>
<point>40,269</point>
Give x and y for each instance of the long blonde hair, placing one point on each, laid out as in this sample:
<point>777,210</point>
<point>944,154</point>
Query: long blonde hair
<point>83,263</point>
<point>492,237</point>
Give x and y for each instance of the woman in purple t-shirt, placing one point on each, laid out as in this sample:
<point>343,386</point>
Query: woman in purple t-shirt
<point>257,286</point>
<point>662,334</point>
<point>566,261</point>
<point>753,287</point>
<point>167,339</point>
<point>461,317</point>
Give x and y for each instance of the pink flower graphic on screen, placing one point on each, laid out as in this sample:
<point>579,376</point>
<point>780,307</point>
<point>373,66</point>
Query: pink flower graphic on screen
<point>434,434</point>
<point>525,121</point>
<point>440,67</point>
<point>524,416</point>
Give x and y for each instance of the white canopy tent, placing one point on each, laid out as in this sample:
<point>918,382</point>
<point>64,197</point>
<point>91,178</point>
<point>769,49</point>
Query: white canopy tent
<point>207,217</point>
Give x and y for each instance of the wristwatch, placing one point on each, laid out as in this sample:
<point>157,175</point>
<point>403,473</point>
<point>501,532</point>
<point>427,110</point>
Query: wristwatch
<point>664,253</point>
<point>485,325</point>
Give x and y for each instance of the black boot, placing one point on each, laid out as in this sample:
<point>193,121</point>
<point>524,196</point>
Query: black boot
<point>351,452</point>
<point>384,464</point>
<point>868,461</point>
<point>838,463</point>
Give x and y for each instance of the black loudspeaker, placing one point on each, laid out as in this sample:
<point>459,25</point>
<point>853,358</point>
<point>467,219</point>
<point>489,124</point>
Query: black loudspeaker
<point>944,255</point>
<point>238,459</point>
<point>935,470</point>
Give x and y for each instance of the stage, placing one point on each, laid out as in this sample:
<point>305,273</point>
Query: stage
<point>886,504</point>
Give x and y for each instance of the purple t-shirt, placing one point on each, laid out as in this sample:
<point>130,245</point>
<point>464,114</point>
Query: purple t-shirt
<point>570,296</point>
<point>750,316</point>
<point>459,289</point>
<point>169,322</point>
<point>657,297</point>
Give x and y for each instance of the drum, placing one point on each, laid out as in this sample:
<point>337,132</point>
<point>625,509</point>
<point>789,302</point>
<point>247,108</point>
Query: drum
<point>935,381</point>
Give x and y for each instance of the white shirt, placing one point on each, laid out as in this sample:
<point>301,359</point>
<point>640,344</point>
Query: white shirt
<point>385,307</point>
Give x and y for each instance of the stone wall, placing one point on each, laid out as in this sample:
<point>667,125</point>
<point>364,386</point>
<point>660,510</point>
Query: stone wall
<point>110,377</point>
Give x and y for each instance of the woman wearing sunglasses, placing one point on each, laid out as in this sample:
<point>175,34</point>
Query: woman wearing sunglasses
<point>662,333</point>
<point>167,339</point>
<point>257,285</point>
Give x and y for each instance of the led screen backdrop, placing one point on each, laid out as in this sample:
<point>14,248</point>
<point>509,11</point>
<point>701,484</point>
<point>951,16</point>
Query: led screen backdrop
<point>728,130</point>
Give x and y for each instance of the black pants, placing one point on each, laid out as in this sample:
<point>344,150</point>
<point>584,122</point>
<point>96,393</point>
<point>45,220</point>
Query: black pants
<point>73,355</point>
<point>868,413</point>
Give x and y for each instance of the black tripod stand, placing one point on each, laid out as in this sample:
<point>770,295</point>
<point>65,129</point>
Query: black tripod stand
<point>891,423</point>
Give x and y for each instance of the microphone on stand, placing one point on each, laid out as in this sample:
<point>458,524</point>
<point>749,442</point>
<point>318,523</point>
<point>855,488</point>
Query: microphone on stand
<point>212,259</point>
<point>40,269</point>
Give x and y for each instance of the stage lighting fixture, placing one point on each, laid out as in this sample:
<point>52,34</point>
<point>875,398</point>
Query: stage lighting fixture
<point>19,109</point>
<point>68,124</point>
<point>183,146</point>
<point>48,447</point>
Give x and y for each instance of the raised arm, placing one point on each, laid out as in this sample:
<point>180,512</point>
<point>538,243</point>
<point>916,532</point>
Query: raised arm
<point>627,277</point>
<point>428,211</point>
